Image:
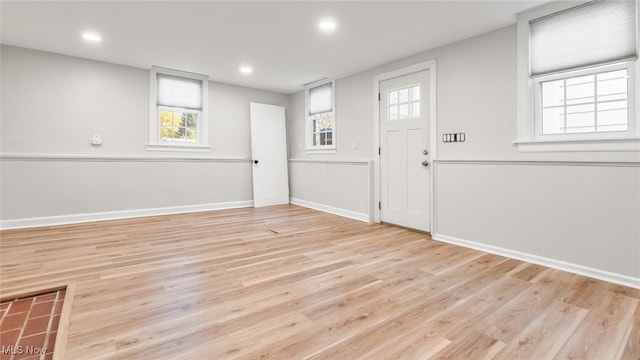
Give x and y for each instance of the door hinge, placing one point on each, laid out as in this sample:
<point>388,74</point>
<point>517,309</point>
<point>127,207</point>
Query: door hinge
<point>379,151</point>
<point>379,205</point>
<point>378,96</point>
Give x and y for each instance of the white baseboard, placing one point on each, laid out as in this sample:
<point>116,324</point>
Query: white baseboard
<point>330,209</point>
<point>544,261</point>
<point>113,215</point>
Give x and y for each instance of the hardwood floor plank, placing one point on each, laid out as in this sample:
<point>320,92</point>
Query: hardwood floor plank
<point>545,335</point>
<point>405,335</point>
<point>531,272</point>
<point>525,308</point>
<point>331,332</point>
<point>427,313</point>
<point>610,318</point>
<point>630,349</point>
<point>417,344</point>
<point>473,345</point>
<point>286,282</point>
<point>448,257</point>
<point>455,323</point>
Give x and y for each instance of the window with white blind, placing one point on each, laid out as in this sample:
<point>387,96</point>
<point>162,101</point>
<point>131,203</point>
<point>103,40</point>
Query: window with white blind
<point>321,121</point>
<point>178,108</point>
<point>578,79</point>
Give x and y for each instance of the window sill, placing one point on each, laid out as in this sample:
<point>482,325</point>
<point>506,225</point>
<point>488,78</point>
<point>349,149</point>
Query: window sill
<point>312,151</point>
<point>579,145</point>
<point>179,147</point>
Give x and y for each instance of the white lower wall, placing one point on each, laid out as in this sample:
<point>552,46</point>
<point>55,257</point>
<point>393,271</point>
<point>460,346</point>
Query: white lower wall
<point>48,190</point>
<point>339,187</point>
<point>583,217</point>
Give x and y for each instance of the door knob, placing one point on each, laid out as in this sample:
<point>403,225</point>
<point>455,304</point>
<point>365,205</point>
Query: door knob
<point>255,162</point>
<point>425,163</point>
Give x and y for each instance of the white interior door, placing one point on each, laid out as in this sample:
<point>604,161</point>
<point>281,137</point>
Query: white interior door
<point>269,155</point>
<point>404,151</point>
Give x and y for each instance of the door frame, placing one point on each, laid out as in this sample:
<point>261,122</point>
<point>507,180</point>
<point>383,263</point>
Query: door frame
<point>429,65</point>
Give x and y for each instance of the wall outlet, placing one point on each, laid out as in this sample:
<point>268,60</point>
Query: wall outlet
<point>354,145</point>
<point>96,140</point>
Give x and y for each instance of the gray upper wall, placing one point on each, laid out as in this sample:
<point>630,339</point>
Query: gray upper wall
<point>476,94</point>
<point>52,104</point>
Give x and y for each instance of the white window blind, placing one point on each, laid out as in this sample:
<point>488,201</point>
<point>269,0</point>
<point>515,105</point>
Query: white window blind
<point>320,99</point>
<point>179,92</point>
<point>595,33</point>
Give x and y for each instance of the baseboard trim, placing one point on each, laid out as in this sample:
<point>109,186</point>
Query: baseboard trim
<point>114,215</point>
<point>544,261</point>
<point>330,209</point>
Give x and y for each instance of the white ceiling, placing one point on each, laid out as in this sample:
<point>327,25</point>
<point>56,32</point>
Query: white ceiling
<point>280,40</point>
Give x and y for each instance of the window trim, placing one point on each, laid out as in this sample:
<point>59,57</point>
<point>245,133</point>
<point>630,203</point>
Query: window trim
<point>528,140</point>
<point>155,144</point>
<point>319,149</point>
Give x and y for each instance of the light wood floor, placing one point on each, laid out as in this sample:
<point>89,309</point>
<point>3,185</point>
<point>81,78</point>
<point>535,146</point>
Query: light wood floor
<point>291,283</point>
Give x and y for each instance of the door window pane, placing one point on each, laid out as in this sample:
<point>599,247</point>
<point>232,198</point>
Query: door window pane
<point>404,103</point>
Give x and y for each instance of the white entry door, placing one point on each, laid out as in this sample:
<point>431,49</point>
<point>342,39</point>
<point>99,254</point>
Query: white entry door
<point>269,155</point>
<point>404,151</point>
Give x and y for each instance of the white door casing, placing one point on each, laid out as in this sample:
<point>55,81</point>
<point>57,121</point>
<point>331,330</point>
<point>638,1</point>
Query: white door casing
<point>269,155</point>
<point>404,150</point>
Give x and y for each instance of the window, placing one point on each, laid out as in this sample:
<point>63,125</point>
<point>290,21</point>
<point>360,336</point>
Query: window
<point>578,80</point>
<point>404,103</point>
<point>321,120</point>
<point>584,103</point>
<point>178,111</point>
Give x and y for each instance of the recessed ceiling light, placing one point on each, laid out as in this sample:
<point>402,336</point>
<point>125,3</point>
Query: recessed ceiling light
<point>95,38</point>
<point>327,25</point>
<point>246,70</point>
